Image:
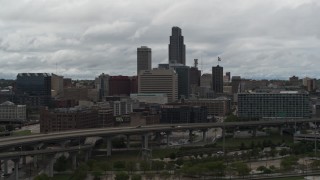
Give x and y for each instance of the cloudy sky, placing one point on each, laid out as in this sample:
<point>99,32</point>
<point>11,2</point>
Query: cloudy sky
<point>83,38</point>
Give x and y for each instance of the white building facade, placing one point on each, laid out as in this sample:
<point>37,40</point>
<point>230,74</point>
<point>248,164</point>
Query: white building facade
<point>11,112</point>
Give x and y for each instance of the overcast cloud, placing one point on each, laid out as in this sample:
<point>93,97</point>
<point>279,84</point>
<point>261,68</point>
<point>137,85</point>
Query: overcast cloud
<point>84,38</point>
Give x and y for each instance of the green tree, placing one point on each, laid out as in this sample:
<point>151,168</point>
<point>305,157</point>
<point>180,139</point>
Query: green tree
<point>179,162</point>
<point>105,166</point>
<point>287,163</point>
<point>217,168</point>
<point>242,146</point>
<point>121,176</point>
<point>157,165</point>
<point>61,164</point>
<point>80,173</point>
<point>283,152</point>
<point>172,156</point>
<point>96,172</point>
<point>118,142</point>
<point>165,175</point>
<point>170,166</point>
<point>231,118</point>
<point>241,168</point>
<point>119,165</point>
<point>261,168</point>
<point>42,177</point>
<point>136,177</point>
<point>315,164</point>
<point>91,163</point>
<point>252,145</point>
<point>144,166</point>
<point>130,166</point>
<point>273,152</point>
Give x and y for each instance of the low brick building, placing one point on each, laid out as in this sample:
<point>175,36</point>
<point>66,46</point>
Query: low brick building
<point>63,119</point>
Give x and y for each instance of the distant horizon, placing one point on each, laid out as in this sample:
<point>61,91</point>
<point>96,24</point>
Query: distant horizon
<point>284,79</point>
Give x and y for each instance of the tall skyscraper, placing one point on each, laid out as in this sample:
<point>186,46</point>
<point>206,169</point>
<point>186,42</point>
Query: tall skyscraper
<point>217,79</point>
<point>177,49</point>
<point>144,58</point>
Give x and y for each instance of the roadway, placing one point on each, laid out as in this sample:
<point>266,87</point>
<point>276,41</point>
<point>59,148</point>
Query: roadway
<point>9,142</point>
<point>15,154</point>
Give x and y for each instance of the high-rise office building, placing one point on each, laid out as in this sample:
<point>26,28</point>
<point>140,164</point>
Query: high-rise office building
<point>144,58</point>
<point>159,81</point>
<point>102,85</point>
<point>228,75</point>
<point>183,114</point>
<point>217,79</point>
<point>311,85</point>
<point>119,86</point>
<point>206,80</point>
<point>184,78</point>
<point>183,73</point>
<point>236,83</point>
<point>177,49</point>
<point>195,75</point>
<point>56,85</point>
<point>34,89</point>
<point>286,104</point>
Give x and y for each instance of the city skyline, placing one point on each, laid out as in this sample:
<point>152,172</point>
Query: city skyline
<point>75,39</point>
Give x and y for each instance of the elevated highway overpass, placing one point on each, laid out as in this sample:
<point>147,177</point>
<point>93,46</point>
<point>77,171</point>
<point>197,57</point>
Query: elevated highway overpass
<point>10,142</point>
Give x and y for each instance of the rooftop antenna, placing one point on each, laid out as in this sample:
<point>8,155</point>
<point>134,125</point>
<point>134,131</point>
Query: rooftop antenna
<point>195,63</point>
<point>219,59</point>
<point>201,62</point>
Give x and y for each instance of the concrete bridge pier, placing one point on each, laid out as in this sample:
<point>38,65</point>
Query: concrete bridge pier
<point>109,146</point>
<point>204,135</point>
<point>224,139</point>
<point>87,154</point>
<point>74,160</point>
<point>254,132</point>
<point>5,166</point>
<point>128,141</point>
<point>24,160</point>
<point>145,141</point>
<point>16,168</point>
<point>157,137</point>
<point>168,135</point>
<point>280,130</point>
<point>190,135</point>
<point>51,163</point>
<point>90,152</point>
<point>35,161</point>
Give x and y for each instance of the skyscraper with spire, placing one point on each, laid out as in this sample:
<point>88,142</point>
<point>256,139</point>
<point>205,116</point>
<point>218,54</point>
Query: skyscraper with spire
<point>177,49</point>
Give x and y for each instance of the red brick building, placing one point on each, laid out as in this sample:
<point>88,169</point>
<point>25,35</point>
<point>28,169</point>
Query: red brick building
<point>122,85</point>
<point>63,119</point>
